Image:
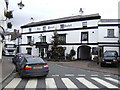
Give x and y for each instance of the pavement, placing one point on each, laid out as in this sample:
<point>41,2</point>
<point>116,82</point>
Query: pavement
<point>7,67</point>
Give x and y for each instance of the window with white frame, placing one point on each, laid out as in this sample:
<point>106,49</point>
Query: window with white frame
<point>29,39</point>
<point>84,24</point>
<point>62,26</point>
<point>84,36</point>
<point>110,33</point>
<point>30,29</point>
<point>43,38</point>
<point>29,51</point>
<point>62,38</point>
<point>44,28</point>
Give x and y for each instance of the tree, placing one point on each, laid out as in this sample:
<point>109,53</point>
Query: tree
<point>57,52</point>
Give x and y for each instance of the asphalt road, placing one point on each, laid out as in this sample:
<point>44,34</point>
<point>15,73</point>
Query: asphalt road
<point>64,77</point>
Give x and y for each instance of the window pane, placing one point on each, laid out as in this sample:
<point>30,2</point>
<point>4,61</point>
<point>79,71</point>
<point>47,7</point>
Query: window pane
<point>44,38</point>
<point>62,26</point>
<point>110,32</point>
<point>29,39</point>
<point>62,38</point>
<point>84,24</point>
<point>84,36</point>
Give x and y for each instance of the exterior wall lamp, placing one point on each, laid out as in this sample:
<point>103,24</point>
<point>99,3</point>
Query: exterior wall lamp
<point>21,5</point>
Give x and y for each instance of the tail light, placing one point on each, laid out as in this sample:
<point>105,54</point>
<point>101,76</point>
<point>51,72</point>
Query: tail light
<point>28,67</point>
<point>46,66</point>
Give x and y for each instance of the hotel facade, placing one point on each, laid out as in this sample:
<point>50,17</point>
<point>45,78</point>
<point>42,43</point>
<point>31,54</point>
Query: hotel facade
<point>88,35</point>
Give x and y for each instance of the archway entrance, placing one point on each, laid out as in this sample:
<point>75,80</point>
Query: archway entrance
<point>84,53</point>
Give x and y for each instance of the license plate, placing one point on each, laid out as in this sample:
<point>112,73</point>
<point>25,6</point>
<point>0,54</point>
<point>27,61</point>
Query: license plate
<point>37,67</point>
<point>108,62</point>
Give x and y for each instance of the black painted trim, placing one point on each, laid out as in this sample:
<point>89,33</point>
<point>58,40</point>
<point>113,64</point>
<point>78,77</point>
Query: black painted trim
<point>99,43</point>
<point>69,29</point>
<point>108,25</point>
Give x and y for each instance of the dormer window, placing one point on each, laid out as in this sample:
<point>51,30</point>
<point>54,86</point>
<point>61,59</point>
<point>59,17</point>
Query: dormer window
<point>44,28</point>
<point>62,26</point>
<point>110,33</point>
<point>84,24</point>
<point>30,29</point>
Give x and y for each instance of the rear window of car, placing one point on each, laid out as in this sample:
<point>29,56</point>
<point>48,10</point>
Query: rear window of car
<point>32,60</point>
<point>110,54</point>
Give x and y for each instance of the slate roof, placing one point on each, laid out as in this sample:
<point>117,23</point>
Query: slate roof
<point>63,20</point>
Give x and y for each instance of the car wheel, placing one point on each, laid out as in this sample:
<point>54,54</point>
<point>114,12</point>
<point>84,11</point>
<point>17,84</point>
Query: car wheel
<point>45,75</point>
<point>16,70</point>
<point>21,75</point>
<point>102,65</point>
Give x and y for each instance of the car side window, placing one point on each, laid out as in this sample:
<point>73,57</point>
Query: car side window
<point>116,54</point>
<point>22,61</point>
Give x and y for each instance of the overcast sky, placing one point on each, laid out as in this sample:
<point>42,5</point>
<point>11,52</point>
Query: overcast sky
<point>52,9</point>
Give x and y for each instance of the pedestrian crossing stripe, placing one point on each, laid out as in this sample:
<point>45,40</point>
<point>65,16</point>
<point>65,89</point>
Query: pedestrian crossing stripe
<point>14,83</point>
<point>114,80</point>
<point>68,83</point>
<point>32,83</point>
<point>51,83</point>
<point>106,84</point>
<point>87,83</point>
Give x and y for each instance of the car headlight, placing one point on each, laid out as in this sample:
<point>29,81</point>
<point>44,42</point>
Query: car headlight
<point>114,60</point>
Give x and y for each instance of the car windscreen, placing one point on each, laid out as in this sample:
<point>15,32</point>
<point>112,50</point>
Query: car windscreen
<point>109,54</point>
<point>33,60</point>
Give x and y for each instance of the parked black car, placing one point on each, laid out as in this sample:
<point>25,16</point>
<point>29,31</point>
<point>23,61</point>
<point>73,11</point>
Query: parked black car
<point>110,58</point>
<point>17,58</point>
<point>31,66</point>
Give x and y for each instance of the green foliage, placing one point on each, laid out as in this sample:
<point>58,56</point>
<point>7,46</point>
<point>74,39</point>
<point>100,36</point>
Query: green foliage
<point>71,54</point>
<point>57,52</point>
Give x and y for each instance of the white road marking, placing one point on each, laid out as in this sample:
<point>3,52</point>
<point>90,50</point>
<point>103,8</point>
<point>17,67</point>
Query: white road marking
<point>55,75</point>
<point>14,83</point>
<point>107,75</point>
<point>68,83</point>
<point>94,75</point>
<point>111,79</point>
<point>50,83</point>
<point>69,74</point>
<point>81,75</point>
<point>108,85</point>
<point>32,83</point>
<point>87,83</point>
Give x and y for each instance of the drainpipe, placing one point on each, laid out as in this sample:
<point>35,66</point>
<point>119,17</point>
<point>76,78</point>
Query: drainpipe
<point>0,47</point>
<point>119,41</point>
<point>119,26</point>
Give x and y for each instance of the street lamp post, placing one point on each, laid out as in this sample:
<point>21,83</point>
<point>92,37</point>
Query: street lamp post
<point>21,5</point>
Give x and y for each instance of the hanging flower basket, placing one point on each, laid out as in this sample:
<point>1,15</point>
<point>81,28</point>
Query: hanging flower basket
<point>9,25</point>
<point>8,14</point>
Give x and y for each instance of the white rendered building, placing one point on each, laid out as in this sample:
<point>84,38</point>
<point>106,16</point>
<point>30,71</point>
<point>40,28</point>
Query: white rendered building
<point>88,35</point>
<point>3,8</point>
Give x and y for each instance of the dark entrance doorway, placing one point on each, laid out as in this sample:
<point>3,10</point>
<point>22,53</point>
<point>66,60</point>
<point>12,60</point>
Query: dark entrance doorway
<point>84,53</point>
<point>43,48</point>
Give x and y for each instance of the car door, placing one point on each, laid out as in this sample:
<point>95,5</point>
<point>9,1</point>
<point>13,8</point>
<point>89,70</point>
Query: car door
<point>19,65</point>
